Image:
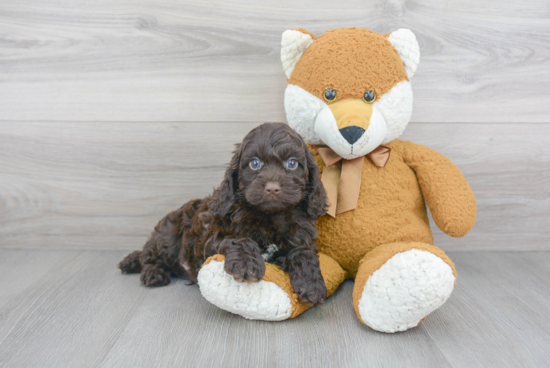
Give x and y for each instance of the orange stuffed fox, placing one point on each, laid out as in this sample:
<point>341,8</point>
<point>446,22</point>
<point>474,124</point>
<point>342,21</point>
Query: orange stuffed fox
<point>349,95</point>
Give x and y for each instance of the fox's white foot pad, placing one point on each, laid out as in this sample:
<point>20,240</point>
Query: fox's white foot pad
<point>259,300</point>
<point>408,287</point>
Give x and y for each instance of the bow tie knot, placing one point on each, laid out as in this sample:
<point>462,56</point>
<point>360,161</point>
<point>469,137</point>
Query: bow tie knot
<point>342,178</point>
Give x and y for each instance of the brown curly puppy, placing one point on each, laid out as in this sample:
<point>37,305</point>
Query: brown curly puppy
<point>265,209</point>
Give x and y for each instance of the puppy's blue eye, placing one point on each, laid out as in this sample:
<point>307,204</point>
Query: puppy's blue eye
<point>255,164</point>
<point>291,164</point>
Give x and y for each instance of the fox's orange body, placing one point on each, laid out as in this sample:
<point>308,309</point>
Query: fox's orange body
<point>350,92</point>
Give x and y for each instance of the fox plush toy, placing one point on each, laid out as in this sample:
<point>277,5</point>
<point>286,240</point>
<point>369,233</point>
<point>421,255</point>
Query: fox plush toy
<point>349,95</point>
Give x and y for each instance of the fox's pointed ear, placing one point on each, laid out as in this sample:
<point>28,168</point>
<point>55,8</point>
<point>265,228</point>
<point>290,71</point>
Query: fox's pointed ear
<point>293,45</point>
<point>407,47</point>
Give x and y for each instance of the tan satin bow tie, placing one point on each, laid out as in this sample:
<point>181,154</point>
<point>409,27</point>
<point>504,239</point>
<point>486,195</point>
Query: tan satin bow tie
<point>342,182</point>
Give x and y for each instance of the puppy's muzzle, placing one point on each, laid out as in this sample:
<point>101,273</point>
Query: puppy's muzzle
<point>272,188</point>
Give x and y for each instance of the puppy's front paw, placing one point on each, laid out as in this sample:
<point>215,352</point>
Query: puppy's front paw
<point>310,290</point>
<point>244,267</point>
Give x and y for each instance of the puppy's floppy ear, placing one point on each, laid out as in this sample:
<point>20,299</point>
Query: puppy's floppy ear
<point>226,195</point>
<point>316,195</point>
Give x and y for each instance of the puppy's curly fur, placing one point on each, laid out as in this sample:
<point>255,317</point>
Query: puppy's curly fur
<point>267,205</point>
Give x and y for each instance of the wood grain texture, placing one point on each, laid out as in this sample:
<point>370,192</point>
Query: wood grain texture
<point>96,184</point>
<point>213,60</point>
<point>77,310</point>
<point>105,185</point>
<point>508,168</point>
<point>501,306</point>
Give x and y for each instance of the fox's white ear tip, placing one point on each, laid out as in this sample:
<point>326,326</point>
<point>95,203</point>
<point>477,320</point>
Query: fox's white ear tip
<point>406,44</point>
<point>287,35</point>
<point>293,45</point>
<point>404,31</point>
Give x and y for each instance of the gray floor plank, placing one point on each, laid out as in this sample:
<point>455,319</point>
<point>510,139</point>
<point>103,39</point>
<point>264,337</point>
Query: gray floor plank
<point>498,316</point>
<point>27,277</point>
<point>21,269</point>
<point>144,60</point>
<point>70,315</point>
<point>80,311</point>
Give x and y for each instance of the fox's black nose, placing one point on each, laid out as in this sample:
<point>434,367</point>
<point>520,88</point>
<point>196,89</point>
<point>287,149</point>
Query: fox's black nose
<point>352,133</point>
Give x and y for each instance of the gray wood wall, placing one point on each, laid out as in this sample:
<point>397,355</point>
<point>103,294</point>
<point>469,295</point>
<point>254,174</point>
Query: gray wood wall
<point>114,112</point>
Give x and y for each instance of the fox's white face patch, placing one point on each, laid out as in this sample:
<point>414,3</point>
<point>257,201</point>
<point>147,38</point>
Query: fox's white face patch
<point>396,108</point>
<point>313,120</point>
<point>301,109</point>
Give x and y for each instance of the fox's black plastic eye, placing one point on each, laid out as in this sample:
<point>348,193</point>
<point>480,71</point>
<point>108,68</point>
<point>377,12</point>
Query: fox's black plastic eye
<point>255,164</point>
<point>369,96</point>
<point>330,94</point>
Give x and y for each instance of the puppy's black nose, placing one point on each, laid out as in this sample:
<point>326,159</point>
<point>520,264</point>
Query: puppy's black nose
<point>352,133</point>
<point>272,188</point>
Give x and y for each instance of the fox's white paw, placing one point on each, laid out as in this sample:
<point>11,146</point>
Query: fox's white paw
<point>262,300</point>
<point>408,287</point>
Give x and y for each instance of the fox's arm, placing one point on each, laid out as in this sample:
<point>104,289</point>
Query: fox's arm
<point>445,189</point>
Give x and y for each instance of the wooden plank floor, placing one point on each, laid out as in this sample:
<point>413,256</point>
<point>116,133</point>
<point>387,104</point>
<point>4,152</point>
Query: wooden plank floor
<point>72,308</point>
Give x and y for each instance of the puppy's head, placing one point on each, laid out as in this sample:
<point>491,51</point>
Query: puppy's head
<point>272,170</point>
